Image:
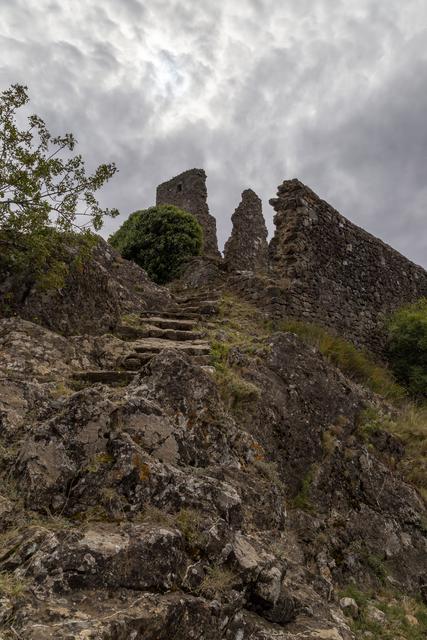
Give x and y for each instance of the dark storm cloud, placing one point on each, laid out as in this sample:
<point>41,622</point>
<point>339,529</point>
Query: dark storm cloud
<point>254,91</point>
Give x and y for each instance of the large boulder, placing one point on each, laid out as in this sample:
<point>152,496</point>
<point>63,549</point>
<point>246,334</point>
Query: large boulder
<point>92,299</point>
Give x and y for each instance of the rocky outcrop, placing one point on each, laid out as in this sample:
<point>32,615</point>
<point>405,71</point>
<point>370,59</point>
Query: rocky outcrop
<point>92,299</point>
<point>247,248</point>
<point>188,191</point>
<point>335,273</point>
<point>154,509</point>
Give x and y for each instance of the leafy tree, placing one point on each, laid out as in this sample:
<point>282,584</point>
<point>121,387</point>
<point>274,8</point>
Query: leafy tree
<point>159,239</point>
<point>407,346</point>
<point>45,194</point>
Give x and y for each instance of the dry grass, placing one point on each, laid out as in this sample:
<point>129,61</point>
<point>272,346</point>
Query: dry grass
<point>409,423</point>
<point>411,426</point>
<point>217,581</point>
<point>405,617</point>
<point>355,363</point>
<point>11,585</point>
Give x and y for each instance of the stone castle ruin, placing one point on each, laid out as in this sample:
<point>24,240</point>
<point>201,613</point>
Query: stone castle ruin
<point>318,267</point>
<point>188,191</point>
<point>247,247</point>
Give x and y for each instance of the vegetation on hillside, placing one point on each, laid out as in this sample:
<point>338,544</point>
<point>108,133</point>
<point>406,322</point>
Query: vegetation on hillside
<point>241,326</point>
<point>407,347</point>
<point>387,615</point>
<point>356,363</point>
<point>159,240</point>
<point>44,193</point>
<point>409,423</point>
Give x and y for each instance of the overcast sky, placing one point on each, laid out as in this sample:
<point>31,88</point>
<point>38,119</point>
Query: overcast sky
<point>333,92</point>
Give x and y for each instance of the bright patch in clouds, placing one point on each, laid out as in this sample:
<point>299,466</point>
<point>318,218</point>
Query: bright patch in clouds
<point>254,91</point>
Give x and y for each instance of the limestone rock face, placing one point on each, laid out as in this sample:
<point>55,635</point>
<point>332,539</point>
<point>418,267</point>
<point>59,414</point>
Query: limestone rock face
<point>91,300</point>
<point>247,248</point>
<point>188,191</point>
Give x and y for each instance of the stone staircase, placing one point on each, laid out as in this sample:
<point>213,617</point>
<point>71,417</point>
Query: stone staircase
<point>177,327</point>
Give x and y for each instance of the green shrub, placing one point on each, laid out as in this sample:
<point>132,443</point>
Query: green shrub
<point>407,346</point>
<point>159,240</point>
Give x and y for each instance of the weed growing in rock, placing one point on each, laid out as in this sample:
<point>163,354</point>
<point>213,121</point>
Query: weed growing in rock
<point>11,585</point>
<point>217,581</point>
<point>410,425</point>
<point>401,616</point>
<point>302,499</point>
<point>190,523</point>
<point>269,470</point>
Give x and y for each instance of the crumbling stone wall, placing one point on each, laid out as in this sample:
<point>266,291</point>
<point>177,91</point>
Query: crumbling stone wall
<point>247,247</point>
<point>330,271</point>
<point>188,191</point>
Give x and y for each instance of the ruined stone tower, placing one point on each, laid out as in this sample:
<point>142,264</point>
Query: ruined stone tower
<point>188,191</point>
<point>247,248</point>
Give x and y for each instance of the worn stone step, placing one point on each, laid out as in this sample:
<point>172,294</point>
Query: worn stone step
<point>105,376</point>
<point>134,333</point>
<point>205,309</point>
<point>169,323</point>
<point>171,315</point>
<point>157,344</point>
<point>135,361</point>
<point>210,297</point>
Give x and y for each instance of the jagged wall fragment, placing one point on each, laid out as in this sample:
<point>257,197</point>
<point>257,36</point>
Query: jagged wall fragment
<point>247,247</point>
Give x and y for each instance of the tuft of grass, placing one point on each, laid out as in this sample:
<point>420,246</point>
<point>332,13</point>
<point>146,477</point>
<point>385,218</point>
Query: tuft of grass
<point>234,389</point>
<point>356,363</point>
<point>302,499</point>
<point>96,513</point>
<point>154,515</point>
<point>405,617</point>
<point>98,461</point>
<point>377,565</point>
<point>132,320</point>
<point>269,470</point>
<point>409,423</point>
<point>10,585</point>
<point>191,525</point>
<point>189,521</point>
<point>217,581</point>
<point>61,390</point>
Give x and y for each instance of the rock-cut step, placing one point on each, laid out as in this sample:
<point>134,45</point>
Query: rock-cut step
<point>155,345</point>
<point>110,377</point>
<point>172,314</point>
<point>135,361</point>
<point>126,332</point>
<point>169,323</point>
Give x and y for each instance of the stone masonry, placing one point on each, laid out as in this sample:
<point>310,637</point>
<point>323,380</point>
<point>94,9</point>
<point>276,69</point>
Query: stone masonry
<point>247,247</point>
<point>319,267</point>
<point>332,272</point>
<point>188,191</point>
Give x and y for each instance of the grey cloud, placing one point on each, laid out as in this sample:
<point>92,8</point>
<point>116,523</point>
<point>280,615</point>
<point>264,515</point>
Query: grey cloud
<point>254,91</point>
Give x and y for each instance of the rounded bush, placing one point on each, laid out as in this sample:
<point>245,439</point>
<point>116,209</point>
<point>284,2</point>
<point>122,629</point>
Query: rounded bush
<point>407,346</point>
<point>159,240</point>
